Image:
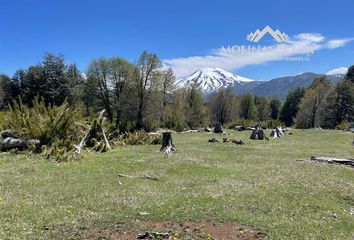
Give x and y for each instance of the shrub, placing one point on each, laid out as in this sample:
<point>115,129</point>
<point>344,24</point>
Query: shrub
<point>53,126</point>
<point>175,122</point>
<point>344,125</point>
<point>272,123</point>
<point>241,122</point>
<point>140,138</point>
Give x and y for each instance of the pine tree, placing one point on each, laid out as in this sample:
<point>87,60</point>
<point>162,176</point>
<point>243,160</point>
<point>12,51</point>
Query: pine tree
<point>350,74</point>
<point>263,108</point>
<point>275,105</point>
<point>55,81</point>
<point>291,106</point>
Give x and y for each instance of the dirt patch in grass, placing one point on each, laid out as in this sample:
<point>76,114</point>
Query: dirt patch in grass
<point>191,230</point>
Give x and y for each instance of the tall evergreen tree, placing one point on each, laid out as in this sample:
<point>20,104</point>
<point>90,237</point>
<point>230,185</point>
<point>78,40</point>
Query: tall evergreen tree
<point>350,74</point>
<point>275,105</point>
<point>55,81</point>
<point>263,108</point>
<point>5,82</point>
<point>75,82</point>
<point>291,106</point>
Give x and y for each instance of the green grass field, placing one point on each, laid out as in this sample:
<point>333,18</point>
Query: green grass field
<point>259,184</point>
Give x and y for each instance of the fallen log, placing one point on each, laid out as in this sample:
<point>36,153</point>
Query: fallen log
<point>10,143</point>
<point>343,161</point>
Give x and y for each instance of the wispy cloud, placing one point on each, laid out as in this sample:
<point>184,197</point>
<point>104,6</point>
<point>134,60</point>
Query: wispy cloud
<point>310,37</point>
<point>336,43</point>
<point>340,70</point>
<point>235,57</point>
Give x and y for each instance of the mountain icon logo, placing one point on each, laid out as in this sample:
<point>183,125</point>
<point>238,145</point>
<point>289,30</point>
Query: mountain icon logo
<point>277,35</point>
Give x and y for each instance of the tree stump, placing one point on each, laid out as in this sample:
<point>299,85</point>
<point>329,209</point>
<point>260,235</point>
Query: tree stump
<point>218,128</point>
<point>167,143</point>
<point>277,132</point>
<point>254,134</point>
<point>258,134</point>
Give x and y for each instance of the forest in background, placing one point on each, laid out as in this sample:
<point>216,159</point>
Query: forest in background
<point>143,96</point>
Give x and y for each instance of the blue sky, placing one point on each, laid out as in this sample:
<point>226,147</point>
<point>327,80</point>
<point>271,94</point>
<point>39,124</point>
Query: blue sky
<point>184,34</point>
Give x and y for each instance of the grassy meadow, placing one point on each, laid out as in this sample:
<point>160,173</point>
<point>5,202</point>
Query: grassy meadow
<point>260,185</point>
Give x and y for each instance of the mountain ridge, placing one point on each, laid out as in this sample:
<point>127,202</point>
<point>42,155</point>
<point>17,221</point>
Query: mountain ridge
<point>213,79</point>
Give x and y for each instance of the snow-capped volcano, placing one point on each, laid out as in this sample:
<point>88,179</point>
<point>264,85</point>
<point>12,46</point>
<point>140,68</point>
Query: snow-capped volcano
<point>211,79</point>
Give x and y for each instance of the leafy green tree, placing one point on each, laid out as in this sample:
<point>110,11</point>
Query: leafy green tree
<point>98,75</point>
<point>313,103</point>
<point>344,101</point>
<point>4,89</point>
<point>341,101</point>
<point>47,80</point>
<point>123,74</point>
<point>196,109</point>
<point>34,84</point>
<point>55,81</point>
<point>220,105</point>
<point>275,105</point>
<point>248,108</point>
<point>291,106</point>
<point>263,108</point>
<point>164,93</point>
<point>148,67</point>
<point>76,83</point>
<point>176,112</point>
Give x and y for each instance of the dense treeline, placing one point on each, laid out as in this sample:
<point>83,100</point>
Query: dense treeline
<point>143,95</point>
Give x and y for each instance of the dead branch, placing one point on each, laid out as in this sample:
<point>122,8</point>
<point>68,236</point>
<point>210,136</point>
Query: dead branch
<point>139,177</point>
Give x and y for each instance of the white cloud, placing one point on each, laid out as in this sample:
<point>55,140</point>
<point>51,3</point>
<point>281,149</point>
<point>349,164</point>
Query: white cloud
<point>340,70</point>
<point>338,42</point>
<point>234,57</point>
<point>311,37</point>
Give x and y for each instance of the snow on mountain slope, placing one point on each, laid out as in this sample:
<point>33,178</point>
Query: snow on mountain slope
<point>211,79</point>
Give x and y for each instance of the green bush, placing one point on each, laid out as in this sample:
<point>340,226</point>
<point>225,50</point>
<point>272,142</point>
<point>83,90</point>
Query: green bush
<point>344,125</point>
<point>271,123</point>
<point>140,138</point>
<point>241,122</point>
<point>175,122</point>
<point>53,126</point>
<point>151,125</point>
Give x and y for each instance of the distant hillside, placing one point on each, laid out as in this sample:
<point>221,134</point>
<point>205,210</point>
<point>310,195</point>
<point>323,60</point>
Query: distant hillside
<point>280,86</point>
